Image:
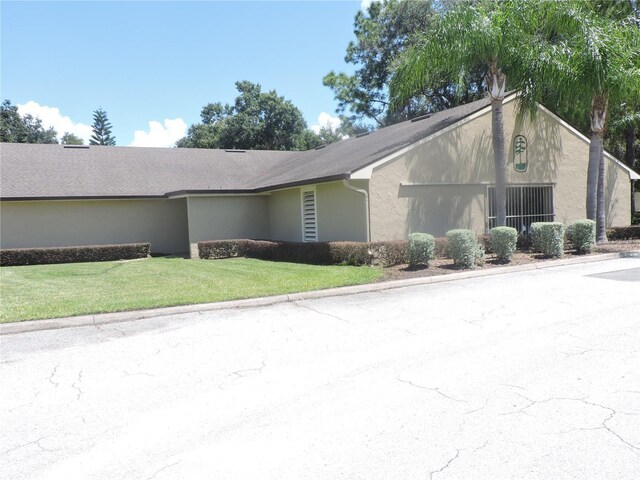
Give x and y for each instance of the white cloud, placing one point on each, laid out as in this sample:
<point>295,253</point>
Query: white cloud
<point>327,121</point>
<point>364,4</point>
<point>51,117</point>
<point>160,135</point>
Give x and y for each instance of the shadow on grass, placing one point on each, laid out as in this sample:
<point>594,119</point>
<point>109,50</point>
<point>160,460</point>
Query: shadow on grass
<point>97,273</point>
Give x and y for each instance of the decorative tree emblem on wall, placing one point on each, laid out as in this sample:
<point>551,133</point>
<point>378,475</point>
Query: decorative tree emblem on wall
<point>520,162</point>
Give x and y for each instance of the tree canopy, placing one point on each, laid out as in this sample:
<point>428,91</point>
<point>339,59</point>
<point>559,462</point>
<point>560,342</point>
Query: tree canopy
<point>15,128</point>
<point>101,129</point>
<point>383,33</point>
<point>575,56</point>
<point>257,120</point>
<point>488,34</point>
<point>71,139</point>
<point>586,56</point>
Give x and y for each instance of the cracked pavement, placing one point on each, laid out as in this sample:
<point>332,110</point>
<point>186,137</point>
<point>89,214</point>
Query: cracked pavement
<point>529,375</point>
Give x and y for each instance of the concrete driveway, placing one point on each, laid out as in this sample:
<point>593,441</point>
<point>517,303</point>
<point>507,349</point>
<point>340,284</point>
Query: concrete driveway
<point>533,375</point>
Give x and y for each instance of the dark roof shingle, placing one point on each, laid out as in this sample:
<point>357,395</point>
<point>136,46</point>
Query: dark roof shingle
<point>30,171</point>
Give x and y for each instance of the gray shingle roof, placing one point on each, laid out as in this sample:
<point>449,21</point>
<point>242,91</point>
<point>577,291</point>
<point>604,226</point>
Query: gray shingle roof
<point>29,171</point>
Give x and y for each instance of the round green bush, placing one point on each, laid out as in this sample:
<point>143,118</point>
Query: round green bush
<point>534,231</point>
<point>421,249</point>
<point>583,235</point>
<point>503,242</point>
<point>464,248</point>
<point>548,238</point>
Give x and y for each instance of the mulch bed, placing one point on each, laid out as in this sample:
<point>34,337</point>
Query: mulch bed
<point>443,266</point>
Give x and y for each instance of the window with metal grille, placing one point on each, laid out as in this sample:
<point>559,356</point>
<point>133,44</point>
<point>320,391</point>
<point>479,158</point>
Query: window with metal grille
<point>525,205</point>
<point>309,224</point>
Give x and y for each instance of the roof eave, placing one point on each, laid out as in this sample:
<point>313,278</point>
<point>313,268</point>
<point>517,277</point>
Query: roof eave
<point>82,197</point>
<point>299,183</point>
<point>186,193</point>
<point>365,172</point>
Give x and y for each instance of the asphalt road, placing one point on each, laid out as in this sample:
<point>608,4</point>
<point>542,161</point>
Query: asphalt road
<point>533,375</point>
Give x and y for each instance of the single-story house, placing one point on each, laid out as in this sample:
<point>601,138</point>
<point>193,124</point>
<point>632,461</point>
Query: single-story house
<point>431,174</point>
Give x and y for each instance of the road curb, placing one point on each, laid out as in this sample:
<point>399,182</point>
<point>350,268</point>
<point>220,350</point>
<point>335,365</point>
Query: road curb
<point>118,317</point>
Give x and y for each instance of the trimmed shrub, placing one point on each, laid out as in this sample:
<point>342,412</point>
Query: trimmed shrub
<point>222,249</point>
<point>568,236</point>
<point>350,253</point>
<point>535,236</point>
<point>317,253</point>
<point>583,235</point>
<point>548,238</point>
<point>389,253</point>
<point>421,249</point>
<point>503,243</point>
<point>463,248</point>
<point>524,241</point>
<point>624,233</point>
<point>441,250</point>
<point>485,242</point>
<point>92,253</point>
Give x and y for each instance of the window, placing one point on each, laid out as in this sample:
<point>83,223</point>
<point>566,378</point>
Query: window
<point>309,223</point>
<point>525,205</point>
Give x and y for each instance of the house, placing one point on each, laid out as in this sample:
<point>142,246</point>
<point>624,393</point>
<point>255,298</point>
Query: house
<point>431,174</point>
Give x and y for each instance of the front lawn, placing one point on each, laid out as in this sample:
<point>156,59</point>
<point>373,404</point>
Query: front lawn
<point>49,291</point>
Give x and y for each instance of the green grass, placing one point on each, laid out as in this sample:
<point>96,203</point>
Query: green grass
<point>49,291</point>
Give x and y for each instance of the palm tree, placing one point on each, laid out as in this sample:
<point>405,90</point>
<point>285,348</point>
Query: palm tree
<point>486,33</point>
<point>587,58</point>
<point>625,124</point>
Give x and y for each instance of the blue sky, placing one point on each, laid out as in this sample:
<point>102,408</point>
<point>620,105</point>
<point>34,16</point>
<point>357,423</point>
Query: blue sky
<point>161,61</point>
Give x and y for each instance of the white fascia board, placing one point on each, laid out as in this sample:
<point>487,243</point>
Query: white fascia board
<point>366,172</point>
<point>193,195</point>
<point>465,184</point>
<point>632,174</point>
<point>435,184</point>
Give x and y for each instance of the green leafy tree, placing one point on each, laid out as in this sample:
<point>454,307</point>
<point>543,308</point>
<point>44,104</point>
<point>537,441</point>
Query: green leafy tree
<point>588,57</point>
<point>101,129</point>
<point>382,33</point>
<point>487,33</point>
<point>36,133</point>
<point>71,139</point>
<point>23,129</point>
<point>12,127</point>
<point>622,139</point>
<point>257,120</point>
<point>309,139</point>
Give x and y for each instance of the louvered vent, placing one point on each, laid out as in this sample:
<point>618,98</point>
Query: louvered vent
<point>310,227</point>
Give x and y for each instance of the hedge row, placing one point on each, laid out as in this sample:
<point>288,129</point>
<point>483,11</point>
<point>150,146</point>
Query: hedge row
<point>93,253</point>
<point>396,252</point>
<point>318,253</point>
<point>386,254</point>
<point>624,233</point>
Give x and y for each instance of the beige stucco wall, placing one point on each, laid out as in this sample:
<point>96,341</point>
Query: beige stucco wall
<point>285,217</point>
<point>95,222</point>
<point>340,212</point>
<point>227,217</point>
<point>442,184</point>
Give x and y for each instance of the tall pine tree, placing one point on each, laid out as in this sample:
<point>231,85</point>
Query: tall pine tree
<point>101,129</point>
